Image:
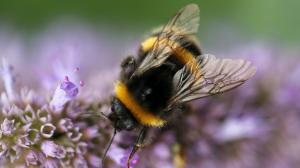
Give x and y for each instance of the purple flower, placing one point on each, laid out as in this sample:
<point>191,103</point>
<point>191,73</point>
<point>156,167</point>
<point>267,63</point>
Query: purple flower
<point>32,159</point>
<point>9,79</point>
<point>70,89</point>
<point>80,162</point>
<point>64,93</point>
<point>7,127</point>
<point>240,128</point>
<point>50,163</point>
<point>53,150</point>
<point>125,157</point>
<point>32,126</point>
<point>47,130</point>
<point>116,153</point>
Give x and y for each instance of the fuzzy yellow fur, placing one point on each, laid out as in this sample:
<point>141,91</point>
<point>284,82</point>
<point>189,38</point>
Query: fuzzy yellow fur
<point>181,54</point>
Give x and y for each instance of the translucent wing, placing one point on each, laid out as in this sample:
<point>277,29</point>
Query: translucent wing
<point>185,22</point>
<point>213,76</point>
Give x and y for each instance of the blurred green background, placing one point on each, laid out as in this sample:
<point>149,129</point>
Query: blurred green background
<point>248,20</point>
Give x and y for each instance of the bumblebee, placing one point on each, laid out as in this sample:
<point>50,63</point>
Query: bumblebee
<point>169,71</point>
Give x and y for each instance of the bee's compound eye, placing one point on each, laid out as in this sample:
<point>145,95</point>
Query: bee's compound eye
<point>112,108</point>
<point>116,106</point>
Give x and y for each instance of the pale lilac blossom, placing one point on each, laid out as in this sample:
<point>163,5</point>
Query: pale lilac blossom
<point>53,150</point>
<point>8,127</point>
<point>64,93</point>
<point>8,79</point>
<point>240,128</point>
<point>31,126</point>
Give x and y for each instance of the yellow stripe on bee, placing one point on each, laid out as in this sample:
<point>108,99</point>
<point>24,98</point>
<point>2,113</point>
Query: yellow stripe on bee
<point>141,114</point>
<point>180,53</point>
<point>148,44</point>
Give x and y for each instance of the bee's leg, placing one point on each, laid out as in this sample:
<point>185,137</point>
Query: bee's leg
<point>139,143</point>
<point>128,66</point>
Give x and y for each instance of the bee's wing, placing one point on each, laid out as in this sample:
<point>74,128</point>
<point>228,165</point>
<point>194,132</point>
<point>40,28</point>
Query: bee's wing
<point>185,22</point>
<point>213,76</point>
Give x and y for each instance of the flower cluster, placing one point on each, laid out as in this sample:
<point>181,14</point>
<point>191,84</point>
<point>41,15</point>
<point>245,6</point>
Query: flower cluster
<point>35,132</point>
<point>60,122</point>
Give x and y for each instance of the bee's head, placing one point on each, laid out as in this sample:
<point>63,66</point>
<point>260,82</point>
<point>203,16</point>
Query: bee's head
<point>121,117</point>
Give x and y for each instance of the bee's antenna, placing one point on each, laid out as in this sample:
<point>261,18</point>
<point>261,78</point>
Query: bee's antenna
<point>89,114</point>
<point>104,115</point>
<point>109,144</point>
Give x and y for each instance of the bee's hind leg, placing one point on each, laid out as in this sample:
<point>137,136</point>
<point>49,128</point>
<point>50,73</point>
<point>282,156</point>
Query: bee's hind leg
<point>128,66</point>
<point>138,144</point>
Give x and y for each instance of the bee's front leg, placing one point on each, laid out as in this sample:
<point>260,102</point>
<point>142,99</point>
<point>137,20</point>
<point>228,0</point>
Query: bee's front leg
<point>138,144</point>
<point>128,66</point>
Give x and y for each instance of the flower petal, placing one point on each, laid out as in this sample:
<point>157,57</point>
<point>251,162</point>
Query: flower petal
<point>43,115</point>
<point>47,130</point>
<point>63,94</point>
<point>3,149</point>
<point>23,141</point>
<point>70,89</point>
<point>65,124</point>
<point>9,80</point>
<point>51,149</point>
<point>50,163</point>
<point>80,162</point>
<point>74,134</point>
<point>28,115</point>
<point>8,127</point>
<point>32,159</point>
<point>81,148</point>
